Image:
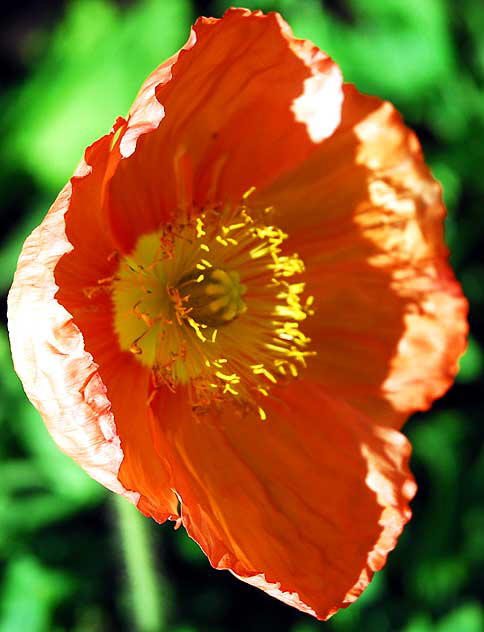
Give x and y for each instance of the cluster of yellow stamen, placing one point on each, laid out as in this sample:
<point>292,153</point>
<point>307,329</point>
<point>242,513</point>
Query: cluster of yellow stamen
<point>208,303</point>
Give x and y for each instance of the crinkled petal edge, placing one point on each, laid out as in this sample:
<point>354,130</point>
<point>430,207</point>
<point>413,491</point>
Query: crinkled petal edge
<point>60,377</point>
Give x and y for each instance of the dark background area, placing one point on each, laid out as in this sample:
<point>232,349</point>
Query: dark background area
<point>74,558</point>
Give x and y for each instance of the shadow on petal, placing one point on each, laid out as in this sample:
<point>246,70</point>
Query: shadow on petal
<point>366,217</point>
<point>305,505</point>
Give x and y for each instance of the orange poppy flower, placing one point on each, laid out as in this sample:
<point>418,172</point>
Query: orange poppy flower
<point>236,302</point>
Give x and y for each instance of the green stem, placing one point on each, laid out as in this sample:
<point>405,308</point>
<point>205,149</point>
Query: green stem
<point>144,583</point>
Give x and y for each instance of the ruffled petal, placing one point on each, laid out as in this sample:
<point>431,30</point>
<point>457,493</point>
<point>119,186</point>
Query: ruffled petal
<point>128,387</point>
<point>223,131</point>
<point>60,377</point>
<point>92,396</point>
<point>83,276</point>
<point>305,505</point>
<point>366,216</point>
<point>146,112</point>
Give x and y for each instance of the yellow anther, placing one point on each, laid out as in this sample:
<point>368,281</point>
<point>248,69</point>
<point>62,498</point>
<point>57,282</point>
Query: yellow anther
<point>178,313</point>
<point>263,371</point>
<point>199,227</point>
<point>259,251</point>
<point>233,378</point>
<point>196,327</point>
<point>248,193</point>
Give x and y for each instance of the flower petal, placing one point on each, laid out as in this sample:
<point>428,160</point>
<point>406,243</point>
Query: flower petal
<point>79,275</point>
<point>146,112</point>
<point>305,505</point>
<point>59,375</point>
<point>143,469</point>
<point>390,318</point>
<point>60,319</point>
<point>223,131</point>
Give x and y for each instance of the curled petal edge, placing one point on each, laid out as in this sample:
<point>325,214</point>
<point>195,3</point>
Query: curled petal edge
<point>393,520</point>
<point>386,453</point>
<point>60,377</point>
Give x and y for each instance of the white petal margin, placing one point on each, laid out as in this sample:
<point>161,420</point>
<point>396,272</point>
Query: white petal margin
<point>274,590</point>
<point>59,376</point>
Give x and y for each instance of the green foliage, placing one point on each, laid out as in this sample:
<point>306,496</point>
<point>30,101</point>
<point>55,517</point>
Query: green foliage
<point>99,58</point>
<point>411,36</point>
<point>188,549</point>
<point>304,627</point>
<point>467,618</point>
<point>472,362</point>
<point>55,485</point>
<point>29,594</point>
<point>146,591</point>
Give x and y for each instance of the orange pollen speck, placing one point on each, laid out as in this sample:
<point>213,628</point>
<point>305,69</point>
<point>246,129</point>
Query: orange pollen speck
<point>208,303</point>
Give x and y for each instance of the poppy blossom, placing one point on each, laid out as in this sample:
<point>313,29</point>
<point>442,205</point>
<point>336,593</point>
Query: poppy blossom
<point>237,300</point>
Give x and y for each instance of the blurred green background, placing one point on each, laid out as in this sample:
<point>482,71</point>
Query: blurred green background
<point>74,558</point>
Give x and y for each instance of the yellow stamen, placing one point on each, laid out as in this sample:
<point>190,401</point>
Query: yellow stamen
<point>199,227</point>
<point>227,323</point>
<point>262,413</point>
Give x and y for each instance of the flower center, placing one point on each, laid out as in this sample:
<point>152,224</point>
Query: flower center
<point>213,299</point>
<point>209,303</point>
